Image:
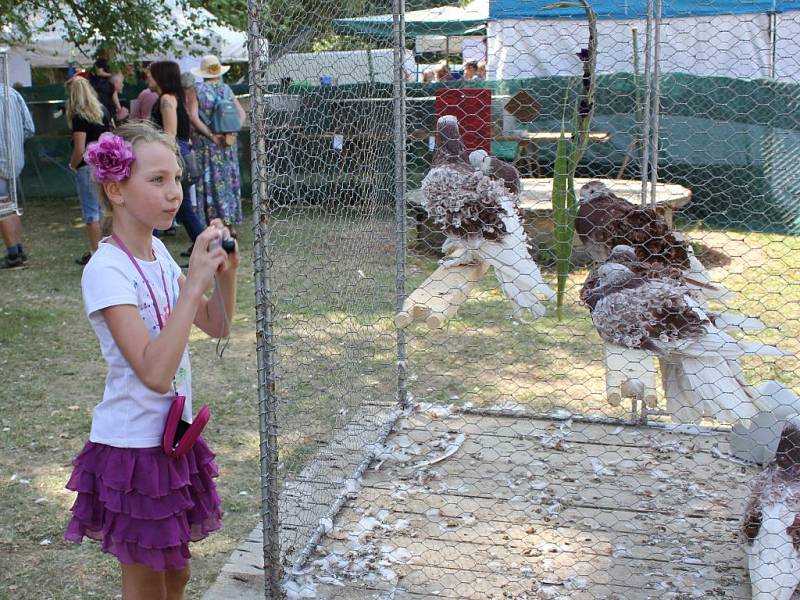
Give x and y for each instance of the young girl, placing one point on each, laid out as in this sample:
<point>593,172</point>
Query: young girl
<point>88,119</point>
<point>144,505</point>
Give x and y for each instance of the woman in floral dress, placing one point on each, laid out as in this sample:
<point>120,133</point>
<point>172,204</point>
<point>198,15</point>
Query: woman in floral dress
<point>218,191</point>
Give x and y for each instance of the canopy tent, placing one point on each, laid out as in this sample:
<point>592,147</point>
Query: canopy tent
<point>636,9</point>
<point>747,40</point>
<point>50,48</point>
<point>443,20</point>
<point>725,66</point>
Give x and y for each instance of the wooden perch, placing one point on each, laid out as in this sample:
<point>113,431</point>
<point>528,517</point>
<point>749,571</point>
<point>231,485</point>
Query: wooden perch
<point>630,373</point>
<point>440,296</point>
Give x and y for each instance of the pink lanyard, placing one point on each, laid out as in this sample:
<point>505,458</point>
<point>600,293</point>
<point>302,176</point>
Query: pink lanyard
<point>124,248</point>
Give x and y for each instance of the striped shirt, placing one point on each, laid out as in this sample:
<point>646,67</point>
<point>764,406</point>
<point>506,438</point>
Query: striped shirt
<point>21,129</point>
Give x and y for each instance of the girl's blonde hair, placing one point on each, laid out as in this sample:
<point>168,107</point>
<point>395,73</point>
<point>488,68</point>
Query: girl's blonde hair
<point>136,131</point>
<point>82,101</point>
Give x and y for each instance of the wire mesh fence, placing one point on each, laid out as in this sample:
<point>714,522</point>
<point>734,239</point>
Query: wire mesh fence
<point>430,426</point>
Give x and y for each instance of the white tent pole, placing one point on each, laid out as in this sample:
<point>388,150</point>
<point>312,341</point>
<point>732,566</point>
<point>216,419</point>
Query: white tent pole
<point>648,38</point>
<point>773,41</point>
<point>656,102</point>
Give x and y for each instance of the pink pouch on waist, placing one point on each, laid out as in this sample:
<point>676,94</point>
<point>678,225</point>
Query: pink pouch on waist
<point>180,436</point>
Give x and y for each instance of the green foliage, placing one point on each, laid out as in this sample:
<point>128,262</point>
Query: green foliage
<point>569,154</point>
<point>564,206</point>
<point>131,28</point>
<point>283,19</point>
<point>232,13</point>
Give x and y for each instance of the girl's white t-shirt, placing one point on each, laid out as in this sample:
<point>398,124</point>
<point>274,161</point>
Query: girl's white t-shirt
<point>131,415</point>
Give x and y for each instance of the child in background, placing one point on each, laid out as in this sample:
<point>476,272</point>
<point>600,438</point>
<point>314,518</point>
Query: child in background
<point>143,505</point>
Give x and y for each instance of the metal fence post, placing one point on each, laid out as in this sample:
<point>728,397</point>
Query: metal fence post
<point>265,344</point>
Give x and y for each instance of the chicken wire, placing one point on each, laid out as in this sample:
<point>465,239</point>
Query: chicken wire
<point>377,420</point>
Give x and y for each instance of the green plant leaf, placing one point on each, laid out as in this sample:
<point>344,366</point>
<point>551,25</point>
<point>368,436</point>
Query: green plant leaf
<point>568,155</point>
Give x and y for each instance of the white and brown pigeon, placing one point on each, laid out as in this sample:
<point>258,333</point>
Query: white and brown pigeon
<point>604,220</point>
<point>727,319</point>
<point>771,523</point>
<point>700,367</point>
<point>497,169</point>
<point>479,217</point>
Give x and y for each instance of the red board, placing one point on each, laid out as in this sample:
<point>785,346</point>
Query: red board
<point>473,109</point>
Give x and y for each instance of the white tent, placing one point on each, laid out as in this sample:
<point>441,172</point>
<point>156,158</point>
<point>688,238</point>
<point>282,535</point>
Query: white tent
<point>746,40</point>
<point>345,67</point>
<point>49,49</point>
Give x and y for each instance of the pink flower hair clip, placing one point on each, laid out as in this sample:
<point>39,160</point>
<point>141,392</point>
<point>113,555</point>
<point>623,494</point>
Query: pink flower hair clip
<point>110,157</point>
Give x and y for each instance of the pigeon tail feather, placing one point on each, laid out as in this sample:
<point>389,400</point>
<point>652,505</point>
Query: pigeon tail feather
<point>732,320</point>
<point>720,343</point>
<point>707,386</point>
<point>708,288</point>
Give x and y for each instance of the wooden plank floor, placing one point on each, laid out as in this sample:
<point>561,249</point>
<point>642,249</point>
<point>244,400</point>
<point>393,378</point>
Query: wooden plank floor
<point>475,507</point>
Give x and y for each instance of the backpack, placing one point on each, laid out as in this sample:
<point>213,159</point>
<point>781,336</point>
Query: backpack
<point>224,115</point>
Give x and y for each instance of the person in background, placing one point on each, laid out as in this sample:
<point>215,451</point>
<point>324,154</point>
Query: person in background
<point>198,128</point>
<point>100,78</point>
<point>169,113</point>
<point>482,70</point>
<point>143,106</point>
<point>218,190</point>
<point>87,119</point>
<point>119,84</point>
<point>21,128</point>
<point>442,70</point>
<point>470,70</point>
<point>410,67</point>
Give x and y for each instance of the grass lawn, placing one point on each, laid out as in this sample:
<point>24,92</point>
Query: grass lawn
<point>333,288</point>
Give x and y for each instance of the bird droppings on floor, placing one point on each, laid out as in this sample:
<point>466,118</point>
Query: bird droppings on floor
<point>458,505</point>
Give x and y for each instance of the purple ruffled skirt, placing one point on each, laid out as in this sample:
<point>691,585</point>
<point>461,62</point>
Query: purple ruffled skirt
<point>144,506</point>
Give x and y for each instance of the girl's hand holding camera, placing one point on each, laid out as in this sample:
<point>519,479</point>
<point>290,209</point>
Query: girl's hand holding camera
<point>210,258</point>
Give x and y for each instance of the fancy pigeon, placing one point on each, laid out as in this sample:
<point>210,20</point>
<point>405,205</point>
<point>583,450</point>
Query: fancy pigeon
<point>604,220</point>
<point>493,167</point>
<point>479,216</point>
<point>699,362</point>
<point>623,254</point>
<point>771,524</point>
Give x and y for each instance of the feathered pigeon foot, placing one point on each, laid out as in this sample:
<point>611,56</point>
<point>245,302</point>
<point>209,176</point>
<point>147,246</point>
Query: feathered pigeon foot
<point>528,313</point>
<point>460,259</point>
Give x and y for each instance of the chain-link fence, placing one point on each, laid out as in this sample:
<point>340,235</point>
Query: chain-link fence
<point>430,426</point>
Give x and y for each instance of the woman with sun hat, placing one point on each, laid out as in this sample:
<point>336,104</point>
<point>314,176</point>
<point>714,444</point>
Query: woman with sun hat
<point>218,191</point>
